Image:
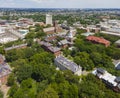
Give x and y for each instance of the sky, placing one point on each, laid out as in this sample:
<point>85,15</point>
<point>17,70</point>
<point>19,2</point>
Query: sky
<point>60,3</point>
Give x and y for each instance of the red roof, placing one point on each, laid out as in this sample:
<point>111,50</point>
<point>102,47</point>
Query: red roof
<point>98,40</point>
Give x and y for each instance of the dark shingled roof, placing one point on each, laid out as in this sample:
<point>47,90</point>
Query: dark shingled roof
<point>100,70</point>
<point>117,79</point>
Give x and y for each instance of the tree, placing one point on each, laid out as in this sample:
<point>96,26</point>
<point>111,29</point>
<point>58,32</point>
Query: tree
<point>48,93</point>
<point>13,90</point>
<point>11,80</point>
<point>42,72</point>
<point>1,94</point>
<point>84,61</point>
<point>96,57</point>
<point>42,58</point>
<point>27,89</point>
<point>23,72</point>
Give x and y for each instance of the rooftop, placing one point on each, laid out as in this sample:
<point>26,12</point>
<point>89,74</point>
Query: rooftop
<point>67,63</point>
<point>109,78</point>
<point>49,29</point>
<point>15,47</point>
<point>98,39</point>
<point>4,70</point>
<point>54,49</point>
<point>46,44</point>
<point>87,34</point>
<point>117,42</point>
<point>63,42</point>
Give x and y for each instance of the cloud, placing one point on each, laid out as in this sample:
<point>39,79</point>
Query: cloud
<point>61,3</point>
<point>42,1</point>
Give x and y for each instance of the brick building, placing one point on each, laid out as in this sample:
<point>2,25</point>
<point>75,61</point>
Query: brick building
<point>50,48</point>
<point>99,40</point>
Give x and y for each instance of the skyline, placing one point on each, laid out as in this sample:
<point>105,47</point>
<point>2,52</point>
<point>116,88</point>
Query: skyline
<point>59,4</point>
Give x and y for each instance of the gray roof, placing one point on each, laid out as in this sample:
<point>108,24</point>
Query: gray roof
<point>119,86</point>
<point>15,47</point>
<point>100,70</point>
<point>63,42</point>
<point>117,64</point>
<point>117,42</point>
<point>117,79</point>
<point>67,63</point>
<point>45,44</point>
<point>5,69</point>
<point>54,49</point>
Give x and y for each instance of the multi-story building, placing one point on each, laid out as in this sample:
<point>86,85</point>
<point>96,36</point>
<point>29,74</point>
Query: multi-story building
<point>16,47</point>
<point>64,64</point>
<point>54,29</point>
<point>49,19</point>
<point>99,40</point>
<point>50,48</point>
<point>110,80</point>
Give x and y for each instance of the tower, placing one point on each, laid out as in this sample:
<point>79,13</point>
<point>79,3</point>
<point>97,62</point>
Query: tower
<point>49,19</point>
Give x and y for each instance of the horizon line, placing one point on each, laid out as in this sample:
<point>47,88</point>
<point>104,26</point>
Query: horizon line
<point>53,8</point>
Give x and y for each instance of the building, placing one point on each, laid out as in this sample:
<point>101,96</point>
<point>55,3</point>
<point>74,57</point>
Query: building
<point>16,47</point>
<point>49,47</point>
<point>26,21</point>
<point>49,19</point>
<point>70,35</point>
<point>64,64</point>
<point>50,30</point>
<point>111,27</point>
<point>50,38</point>
<point>5,70</point>
<point>55,50</point>
<point>99,40</point>
<point>117,64</point>
<point>54,29</point>
<point>92,28</point>
<point>63,43</point>
<point>110,80</point>
<point>117,43</point>
<point>87,34</point>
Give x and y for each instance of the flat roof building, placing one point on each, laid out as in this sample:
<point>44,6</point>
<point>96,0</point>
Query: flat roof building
<point>65,64</point>
<point>49,19</point>
<point>110,80</point>
<point>16,47</point>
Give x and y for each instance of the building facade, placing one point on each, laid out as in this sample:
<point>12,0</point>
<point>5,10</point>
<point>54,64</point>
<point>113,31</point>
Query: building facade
<point>49,19</point>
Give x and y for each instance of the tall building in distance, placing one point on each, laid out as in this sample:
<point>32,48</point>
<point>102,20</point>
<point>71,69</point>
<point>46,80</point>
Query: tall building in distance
<point>49,19</point>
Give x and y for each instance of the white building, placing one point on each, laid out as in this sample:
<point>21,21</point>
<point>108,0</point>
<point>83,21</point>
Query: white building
<point>49,19</point>
<point>65,64</point>
<point>110,80</point>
